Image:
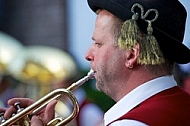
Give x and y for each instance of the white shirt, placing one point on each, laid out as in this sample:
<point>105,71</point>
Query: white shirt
<point>134,98</point>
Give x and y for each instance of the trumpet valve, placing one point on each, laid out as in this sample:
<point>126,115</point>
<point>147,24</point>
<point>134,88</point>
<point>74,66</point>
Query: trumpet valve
<point>24,121</point>
<point>2,119</point>
<point>17,105</point>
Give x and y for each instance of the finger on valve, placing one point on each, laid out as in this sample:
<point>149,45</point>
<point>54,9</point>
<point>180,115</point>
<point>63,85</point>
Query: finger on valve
<point>20,103</point>
<point>24,102</point>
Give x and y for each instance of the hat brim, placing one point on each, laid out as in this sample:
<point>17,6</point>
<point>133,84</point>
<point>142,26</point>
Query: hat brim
<point>175,51</point>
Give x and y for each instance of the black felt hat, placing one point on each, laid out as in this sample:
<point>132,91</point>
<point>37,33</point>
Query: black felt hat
<point>168,28</point>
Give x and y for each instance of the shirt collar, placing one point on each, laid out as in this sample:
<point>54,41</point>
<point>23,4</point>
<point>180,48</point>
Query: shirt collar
<point>137,96</point>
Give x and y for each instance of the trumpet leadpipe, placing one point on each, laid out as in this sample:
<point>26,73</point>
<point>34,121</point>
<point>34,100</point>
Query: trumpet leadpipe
<point>80,82</point>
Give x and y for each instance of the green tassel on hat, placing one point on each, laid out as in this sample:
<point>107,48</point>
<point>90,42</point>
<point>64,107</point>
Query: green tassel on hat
<point>129,33</point>
<point>150,52</point>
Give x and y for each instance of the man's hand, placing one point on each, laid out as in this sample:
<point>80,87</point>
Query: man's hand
<point>41,118</point>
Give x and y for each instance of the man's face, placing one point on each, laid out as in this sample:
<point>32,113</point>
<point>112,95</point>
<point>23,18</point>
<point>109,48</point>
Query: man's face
<point>107,60</point>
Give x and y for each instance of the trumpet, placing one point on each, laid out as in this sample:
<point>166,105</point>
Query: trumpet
<point>22,118</point>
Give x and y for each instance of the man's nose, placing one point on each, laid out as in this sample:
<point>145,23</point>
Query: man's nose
<point>89,55</point>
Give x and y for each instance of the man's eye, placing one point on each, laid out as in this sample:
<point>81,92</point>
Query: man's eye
<point>98,44</point>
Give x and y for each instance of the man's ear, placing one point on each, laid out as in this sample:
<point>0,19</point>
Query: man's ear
<point>132,56</point>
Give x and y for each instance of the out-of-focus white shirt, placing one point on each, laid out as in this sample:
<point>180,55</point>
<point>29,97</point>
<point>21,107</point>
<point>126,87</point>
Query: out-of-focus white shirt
<point>135,97</point>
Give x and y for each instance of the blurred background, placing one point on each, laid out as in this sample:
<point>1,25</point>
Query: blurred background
<point>43,44</point>
<point>42,47</point>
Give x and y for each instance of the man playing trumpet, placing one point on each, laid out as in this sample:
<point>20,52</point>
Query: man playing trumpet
<point>135,45</point>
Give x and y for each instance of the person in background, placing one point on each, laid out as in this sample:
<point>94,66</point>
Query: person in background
<point>135,45</point>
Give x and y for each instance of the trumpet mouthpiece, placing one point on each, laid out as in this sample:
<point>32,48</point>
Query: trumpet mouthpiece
<point>91,74</point>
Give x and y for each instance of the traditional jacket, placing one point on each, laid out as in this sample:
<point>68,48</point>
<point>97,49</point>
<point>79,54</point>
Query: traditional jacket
<point>167,108</point>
